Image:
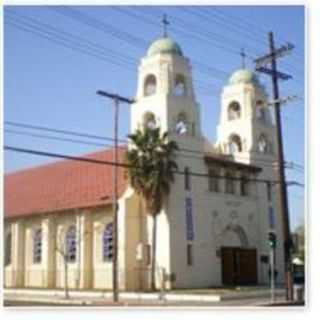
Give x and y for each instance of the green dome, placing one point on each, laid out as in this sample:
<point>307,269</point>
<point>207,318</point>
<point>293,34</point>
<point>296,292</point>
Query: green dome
<point>164,45</point>
<point>244,76</point>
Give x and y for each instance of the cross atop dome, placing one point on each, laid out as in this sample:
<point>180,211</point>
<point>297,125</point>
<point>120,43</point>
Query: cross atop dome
<point>243,56</point>
<point>165,23</point>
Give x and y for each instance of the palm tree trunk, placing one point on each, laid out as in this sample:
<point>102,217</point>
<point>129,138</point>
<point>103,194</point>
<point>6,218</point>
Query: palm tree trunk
<point>153,261</point>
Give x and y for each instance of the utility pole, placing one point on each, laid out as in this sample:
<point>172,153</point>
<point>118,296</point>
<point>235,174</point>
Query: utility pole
<point>275,75</point>
<point>115,267</point>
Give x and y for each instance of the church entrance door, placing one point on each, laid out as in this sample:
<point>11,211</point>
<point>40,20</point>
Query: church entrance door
<point>239,266</point>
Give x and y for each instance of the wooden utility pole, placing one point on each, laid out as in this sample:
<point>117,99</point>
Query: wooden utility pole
<point>115,267</point>
<point>275,75</point>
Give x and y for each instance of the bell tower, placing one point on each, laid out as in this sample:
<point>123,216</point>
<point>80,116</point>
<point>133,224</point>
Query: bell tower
<point>246,130</point>
<point>247,133</point>
<point>165,95</point>
<point>165,98</point>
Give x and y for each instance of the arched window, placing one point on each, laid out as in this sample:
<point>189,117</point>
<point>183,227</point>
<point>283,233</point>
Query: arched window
<point>107,243</point>
<point>71,244</point>
<point>181,127</point>
<point>263,144</point>
<point>229,183</point>
<point>8,249</point>
<point>150,85</point>
<point>37,245</point>
<point>235,144</point>
<point>187,182</point>
<point>234,111</point>
<point>149,120</point>
<point>179,86</point>
<point>261,111</point>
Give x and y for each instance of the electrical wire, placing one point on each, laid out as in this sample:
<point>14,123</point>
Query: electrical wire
<point>125,165</point>
<point>104,138</point>
<point>88,48</point>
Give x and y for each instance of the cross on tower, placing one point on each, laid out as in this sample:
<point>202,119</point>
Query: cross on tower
<point>243,56</point>
<point>165,23</point>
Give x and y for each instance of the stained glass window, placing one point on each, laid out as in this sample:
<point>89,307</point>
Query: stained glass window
<point>108,243</point>
<point>71,244</point>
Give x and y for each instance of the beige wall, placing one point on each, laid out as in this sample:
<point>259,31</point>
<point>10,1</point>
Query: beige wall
<point>89,271</point>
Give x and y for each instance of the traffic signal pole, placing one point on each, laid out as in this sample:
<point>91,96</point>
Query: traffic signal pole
<point>272,244</point>
<point>272,269</point>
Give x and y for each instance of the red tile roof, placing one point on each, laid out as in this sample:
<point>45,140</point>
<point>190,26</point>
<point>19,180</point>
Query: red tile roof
<point>62,185</point>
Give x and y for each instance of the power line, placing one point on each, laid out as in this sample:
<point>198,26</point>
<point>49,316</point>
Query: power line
<point>69,37</point>
<point>101,52</point>
<point>251,27</point>
<point>125,165</point>
<point>235,28</point>
<point>209,35</point>
<point>104,138</point>
<point>55,138</point>
<point>189,34</point>
<point>138,42</point>
<point>57,31</point>
<point>42,136</point>
<point>100,25</point>
<point>86,47</point>
<point>181,30</point>
<point>63,43</point>
<point>68,132</point>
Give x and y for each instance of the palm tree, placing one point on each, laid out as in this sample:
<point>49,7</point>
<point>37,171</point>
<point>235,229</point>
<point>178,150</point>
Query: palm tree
<point>151,169</point>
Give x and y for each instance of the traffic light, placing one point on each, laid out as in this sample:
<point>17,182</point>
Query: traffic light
<point>272,239</point>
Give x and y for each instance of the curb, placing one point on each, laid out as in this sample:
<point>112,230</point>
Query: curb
<point>87,297</point>
<point>53,301</point>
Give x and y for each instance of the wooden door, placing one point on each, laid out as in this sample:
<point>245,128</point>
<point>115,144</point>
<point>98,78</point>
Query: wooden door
<point>227,256</point>
<point>247,264</point>
<point>239,266</point>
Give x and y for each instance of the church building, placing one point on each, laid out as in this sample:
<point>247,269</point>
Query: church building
<point>213,229</point>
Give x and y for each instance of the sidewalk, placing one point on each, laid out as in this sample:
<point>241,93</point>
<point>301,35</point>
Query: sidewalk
<point>87,298</point>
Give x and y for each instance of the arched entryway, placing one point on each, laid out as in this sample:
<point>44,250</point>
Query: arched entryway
<point>238,260</point>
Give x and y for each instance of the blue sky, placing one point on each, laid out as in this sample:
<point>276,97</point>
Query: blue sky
<point>52,85</point>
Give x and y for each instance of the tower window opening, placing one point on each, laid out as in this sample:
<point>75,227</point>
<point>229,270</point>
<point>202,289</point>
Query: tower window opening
<point>181,127</point>
<point>261,111</point>
<point>149,120</point>
<point>263,144</point>
<point>235,144</point>
<point>234,111</point>
<point>179,86</point>
<point>150,85</point>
